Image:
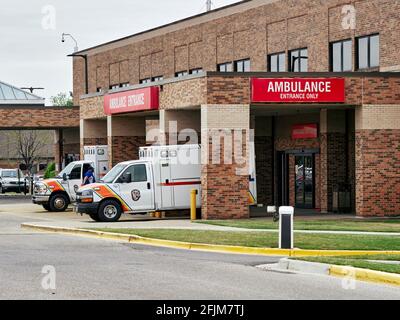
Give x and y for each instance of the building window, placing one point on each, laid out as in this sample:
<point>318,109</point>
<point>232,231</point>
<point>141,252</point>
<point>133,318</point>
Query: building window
<point>124,85</point>
<point>298,61</point>
<point>341,56</point>
<point>196,71</point>
<point>99,89</point>
<point>225,67</point>
<point>181,74</point>
<point>114,86</point>
<point>158,78</point>
<point>277,62</point>
<point>242,65</point>
<point>144,81</point>
<point>368,52</point>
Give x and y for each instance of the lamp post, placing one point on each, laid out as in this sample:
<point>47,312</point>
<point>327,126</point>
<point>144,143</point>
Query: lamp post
<point>84,56</point>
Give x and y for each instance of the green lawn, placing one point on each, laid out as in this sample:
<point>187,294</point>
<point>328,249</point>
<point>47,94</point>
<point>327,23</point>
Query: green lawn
<point>360,262</point>
<point>345,224</point>
<point>269,239</point>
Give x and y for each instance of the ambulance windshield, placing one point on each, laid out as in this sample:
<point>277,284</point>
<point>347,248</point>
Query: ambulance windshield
<point>114,173</point>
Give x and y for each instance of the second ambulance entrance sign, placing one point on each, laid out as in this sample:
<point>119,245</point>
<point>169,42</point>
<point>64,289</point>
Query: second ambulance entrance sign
<point>145,99</point>
<point>298,90</point>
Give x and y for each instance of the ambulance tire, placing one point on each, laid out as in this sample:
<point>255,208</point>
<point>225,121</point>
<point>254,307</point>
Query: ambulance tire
<point>46,207</point>
<point>94,217</point>
<point>59,203</point>
<point>110,211</point>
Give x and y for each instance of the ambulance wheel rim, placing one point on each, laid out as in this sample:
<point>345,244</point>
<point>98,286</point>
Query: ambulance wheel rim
<point>59,203</point>
<point>110,211</point>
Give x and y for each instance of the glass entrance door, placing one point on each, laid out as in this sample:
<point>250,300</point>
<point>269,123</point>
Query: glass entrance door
<point>304,181</point>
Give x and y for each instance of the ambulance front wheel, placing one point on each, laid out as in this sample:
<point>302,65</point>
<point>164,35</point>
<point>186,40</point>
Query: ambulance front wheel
<point>94,217</point>
<point>109,211</point>
<point>58,203</point>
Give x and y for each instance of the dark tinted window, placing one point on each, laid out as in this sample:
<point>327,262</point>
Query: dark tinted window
<point>242,65</point>
<point>277,62</point>
<point>196,71</point>
<point>368,55</point>
<point>341,56</point>
<point>138,172</point>
<point>225,67</point>
<point>76,173</point>
<point>298,60</point>
<point>181,74</point>
<point>143,81</point>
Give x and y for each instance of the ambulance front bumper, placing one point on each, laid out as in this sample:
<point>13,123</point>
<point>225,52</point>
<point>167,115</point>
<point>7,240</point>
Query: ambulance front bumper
<point>86,208</point>
<point>40,199</point>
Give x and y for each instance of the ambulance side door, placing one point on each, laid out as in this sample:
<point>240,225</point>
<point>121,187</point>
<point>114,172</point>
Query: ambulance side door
<point>74,181</point>
<point>137,188</point>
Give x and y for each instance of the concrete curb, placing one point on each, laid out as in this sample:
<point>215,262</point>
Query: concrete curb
<point>199,246</point>
<point>365,275</point>
<point>288,265</point>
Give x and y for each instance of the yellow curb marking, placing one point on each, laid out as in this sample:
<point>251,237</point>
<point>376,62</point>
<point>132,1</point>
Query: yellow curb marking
<point>365,274</point>
<point>204,247</point>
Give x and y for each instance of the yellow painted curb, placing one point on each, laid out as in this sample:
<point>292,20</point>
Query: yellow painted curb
<point>365,275</point>
<point>201,246</point>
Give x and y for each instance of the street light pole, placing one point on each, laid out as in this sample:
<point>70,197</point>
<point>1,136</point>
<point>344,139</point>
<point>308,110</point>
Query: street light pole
<point>76,49</point>
<point>84,56</point>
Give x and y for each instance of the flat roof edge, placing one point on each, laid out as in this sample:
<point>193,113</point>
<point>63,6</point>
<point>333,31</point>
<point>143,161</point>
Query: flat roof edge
<point>303,74</point>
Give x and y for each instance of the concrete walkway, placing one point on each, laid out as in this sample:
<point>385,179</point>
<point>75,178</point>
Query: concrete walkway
<point>36,214</point>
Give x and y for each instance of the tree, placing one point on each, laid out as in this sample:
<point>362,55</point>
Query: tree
<point>29,145</point>
<point>62,100</point>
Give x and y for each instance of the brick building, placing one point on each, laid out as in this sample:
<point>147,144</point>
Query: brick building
<point>57,128</point>
<point>315,80</point>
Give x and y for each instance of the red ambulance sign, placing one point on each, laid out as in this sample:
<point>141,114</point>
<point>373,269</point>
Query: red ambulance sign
<point>298,90</point>
<point>132,101</point>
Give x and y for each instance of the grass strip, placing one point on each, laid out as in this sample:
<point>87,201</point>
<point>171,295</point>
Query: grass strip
<point>268,239</point>
<point>370,225</point>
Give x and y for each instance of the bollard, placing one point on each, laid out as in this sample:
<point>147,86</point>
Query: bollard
<point>193,205</point>
<point>286,240</point>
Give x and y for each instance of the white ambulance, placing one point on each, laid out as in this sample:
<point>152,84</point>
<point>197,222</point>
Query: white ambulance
<point>160,181</point>
<point>56,194</point>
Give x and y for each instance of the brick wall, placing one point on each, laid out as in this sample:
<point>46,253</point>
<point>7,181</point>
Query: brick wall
<point>184,93</point>
<point>249,30</point>
<point>377,172</point>
<point>39,117</point>
<point>125,148</point>
<point>225,182</point>
<point>377,151</point>
<point>92,108</point>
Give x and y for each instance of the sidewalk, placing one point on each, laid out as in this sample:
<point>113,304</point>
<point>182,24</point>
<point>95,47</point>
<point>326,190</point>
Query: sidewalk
<point>35,214</point>
<point>185,224</point>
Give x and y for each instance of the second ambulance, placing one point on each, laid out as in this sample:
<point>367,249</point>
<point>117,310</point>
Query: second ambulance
<point>160,181</point>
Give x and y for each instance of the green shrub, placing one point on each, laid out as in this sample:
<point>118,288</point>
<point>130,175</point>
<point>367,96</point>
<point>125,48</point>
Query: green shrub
<point>50,171</point>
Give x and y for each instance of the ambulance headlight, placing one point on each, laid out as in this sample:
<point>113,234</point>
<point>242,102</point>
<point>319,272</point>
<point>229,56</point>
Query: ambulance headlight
<point>85,196</point>
<point>40,188</point>
<point>87,193</point>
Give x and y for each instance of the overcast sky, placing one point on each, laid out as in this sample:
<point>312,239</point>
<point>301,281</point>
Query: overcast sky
<point>30,33</point>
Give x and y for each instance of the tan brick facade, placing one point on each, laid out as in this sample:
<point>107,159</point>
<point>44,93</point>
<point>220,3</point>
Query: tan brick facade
<point>249,30</point>
<point>14,117</point>
<point>349,135</point>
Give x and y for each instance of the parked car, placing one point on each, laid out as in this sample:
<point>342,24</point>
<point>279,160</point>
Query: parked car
<point>12,180</point>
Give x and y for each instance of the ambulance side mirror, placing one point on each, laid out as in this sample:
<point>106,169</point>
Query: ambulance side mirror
<point>65,177</point>
<point>126,177</point>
